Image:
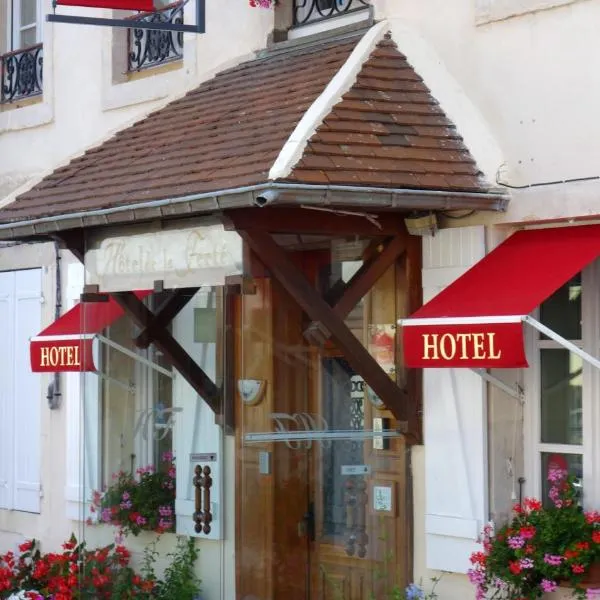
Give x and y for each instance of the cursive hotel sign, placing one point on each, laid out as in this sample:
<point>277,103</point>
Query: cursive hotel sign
<point>475,345</point>
<point>185,257</point>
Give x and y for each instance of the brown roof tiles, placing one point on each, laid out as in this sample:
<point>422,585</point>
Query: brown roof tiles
<point>387,131</point>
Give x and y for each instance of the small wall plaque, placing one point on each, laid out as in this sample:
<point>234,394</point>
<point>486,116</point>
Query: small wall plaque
<point>356,469</point>
<point>382,500</point>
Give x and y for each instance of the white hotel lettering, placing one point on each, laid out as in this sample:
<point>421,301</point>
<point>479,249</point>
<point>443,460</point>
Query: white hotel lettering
<point>462,346</point>
<point>59,356</point>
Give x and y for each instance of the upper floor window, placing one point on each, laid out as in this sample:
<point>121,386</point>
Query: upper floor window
<point>151,48</point>
<point>21,59</point>
<point>314,16</point>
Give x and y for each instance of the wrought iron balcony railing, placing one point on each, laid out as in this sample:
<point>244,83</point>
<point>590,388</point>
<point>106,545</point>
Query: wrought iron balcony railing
<point>309,11</point>
<point>149,47</point>
<point>21,74</point>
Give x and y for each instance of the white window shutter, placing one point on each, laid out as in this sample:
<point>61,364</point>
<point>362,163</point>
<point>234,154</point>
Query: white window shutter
<point>195,430</point>
<point>28,392</point>
<point>7,326</point>
<point>454,423</point>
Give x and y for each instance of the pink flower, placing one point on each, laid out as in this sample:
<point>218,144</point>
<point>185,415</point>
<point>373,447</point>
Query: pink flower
<point>548,586</point>
<point>140,520</point>
<point>526,563</point>
<point>553,559</point>
<point>167,457</point>
<point>515,542</point>
<point>556,475</point>
<point>593,593</point>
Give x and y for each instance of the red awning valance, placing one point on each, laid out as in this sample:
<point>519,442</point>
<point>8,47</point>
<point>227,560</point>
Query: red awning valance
<point>66,345</point>
<point>477,321</point>
<point>141,5</point>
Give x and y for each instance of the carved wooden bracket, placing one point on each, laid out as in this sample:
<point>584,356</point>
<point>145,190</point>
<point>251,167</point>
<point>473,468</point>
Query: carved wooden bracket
<point>202,515</point>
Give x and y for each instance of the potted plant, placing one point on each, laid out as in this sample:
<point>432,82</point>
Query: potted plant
<point>541,548</point>
<point>141,502</point>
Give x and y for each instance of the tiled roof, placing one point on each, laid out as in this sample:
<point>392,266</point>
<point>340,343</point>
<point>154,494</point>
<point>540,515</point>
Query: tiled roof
<point>387,131</point>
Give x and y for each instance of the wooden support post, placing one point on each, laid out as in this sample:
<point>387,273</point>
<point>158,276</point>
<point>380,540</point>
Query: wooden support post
<point>168,310</point>
<point>294,282</point>
<point>172,350</point>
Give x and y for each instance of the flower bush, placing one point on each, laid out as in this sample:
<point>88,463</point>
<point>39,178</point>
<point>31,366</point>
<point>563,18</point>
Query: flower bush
<point>76,573</point>
<point>144,502</point>
<point>540,548</point>
<point>100,574</point>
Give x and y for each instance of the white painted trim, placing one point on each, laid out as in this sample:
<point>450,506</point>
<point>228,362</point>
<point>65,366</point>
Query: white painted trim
<point>343,80</point>
<point>62,338</point>
<point>462,320</point>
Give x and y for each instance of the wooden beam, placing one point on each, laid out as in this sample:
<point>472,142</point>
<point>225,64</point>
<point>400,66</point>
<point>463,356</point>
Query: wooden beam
<point>72,240</point>
<point>304,220</point>
<point>368,275</point>
<point>364,279</point>
<point>294,282</point>
<point>172,350</point>
<point>166,312</point>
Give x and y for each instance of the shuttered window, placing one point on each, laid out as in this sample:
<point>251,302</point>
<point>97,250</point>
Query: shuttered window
<point>20,391</point>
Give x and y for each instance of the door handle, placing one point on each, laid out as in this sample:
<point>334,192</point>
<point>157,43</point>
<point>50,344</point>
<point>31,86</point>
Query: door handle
<point>306,527</point>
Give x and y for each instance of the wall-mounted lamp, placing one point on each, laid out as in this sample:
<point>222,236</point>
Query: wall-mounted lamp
<point>421,224</point>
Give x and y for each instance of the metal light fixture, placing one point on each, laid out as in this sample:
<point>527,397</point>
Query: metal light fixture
<point>422,224</point>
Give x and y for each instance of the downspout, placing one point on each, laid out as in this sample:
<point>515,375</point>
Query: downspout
<point>54,395</point>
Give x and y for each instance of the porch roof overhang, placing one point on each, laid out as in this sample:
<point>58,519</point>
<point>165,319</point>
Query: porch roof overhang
<point>267,194</point>
<point>477,321</point>
<point>356,126</point>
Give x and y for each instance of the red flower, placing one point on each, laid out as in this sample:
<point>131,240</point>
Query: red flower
<point>25,546</point>
<point>515,567</point>
<point>571,554</point>
<point>529,549</point>
<point>478,558</point>
<point>532,504</point>
<point>527,532</point>
<point>596,537</point>
<point>577,569</point>
<point>582,545</point>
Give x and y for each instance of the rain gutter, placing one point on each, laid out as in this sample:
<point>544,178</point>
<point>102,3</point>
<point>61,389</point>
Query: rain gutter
<point>266,194</point>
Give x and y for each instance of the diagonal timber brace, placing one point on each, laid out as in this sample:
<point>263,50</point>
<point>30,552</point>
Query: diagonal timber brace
<point>309,300</point>
<point>166,343</point>
<point>366,277</point>
<point>166,312</point>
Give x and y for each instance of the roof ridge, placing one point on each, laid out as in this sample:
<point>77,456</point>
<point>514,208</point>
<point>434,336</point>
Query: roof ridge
<point>342,81</point>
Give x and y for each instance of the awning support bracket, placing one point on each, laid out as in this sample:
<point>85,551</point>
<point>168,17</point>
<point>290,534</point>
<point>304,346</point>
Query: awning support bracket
<point>516,392</point>
<point>134,356</point>
<point>562,341</point>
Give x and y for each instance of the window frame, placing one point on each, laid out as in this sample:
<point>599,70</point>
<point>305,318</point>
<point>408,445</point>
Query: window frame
<point>14,28</point>
<point>589,449</point>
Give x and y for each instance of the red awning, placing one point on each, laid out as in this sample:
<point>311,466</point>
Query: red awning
<point>66,345</point>
<point>477,321</point>
<point>141,5</point>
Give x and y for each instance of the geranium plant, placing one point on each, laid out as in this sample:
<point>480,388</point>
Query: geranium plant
<point>74,573</point>
<point>540,548</point>
<point>141,502</point>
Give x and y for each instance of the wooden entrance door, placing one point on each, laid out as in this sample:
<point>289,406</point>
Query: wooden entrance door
<point>307,524</point>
